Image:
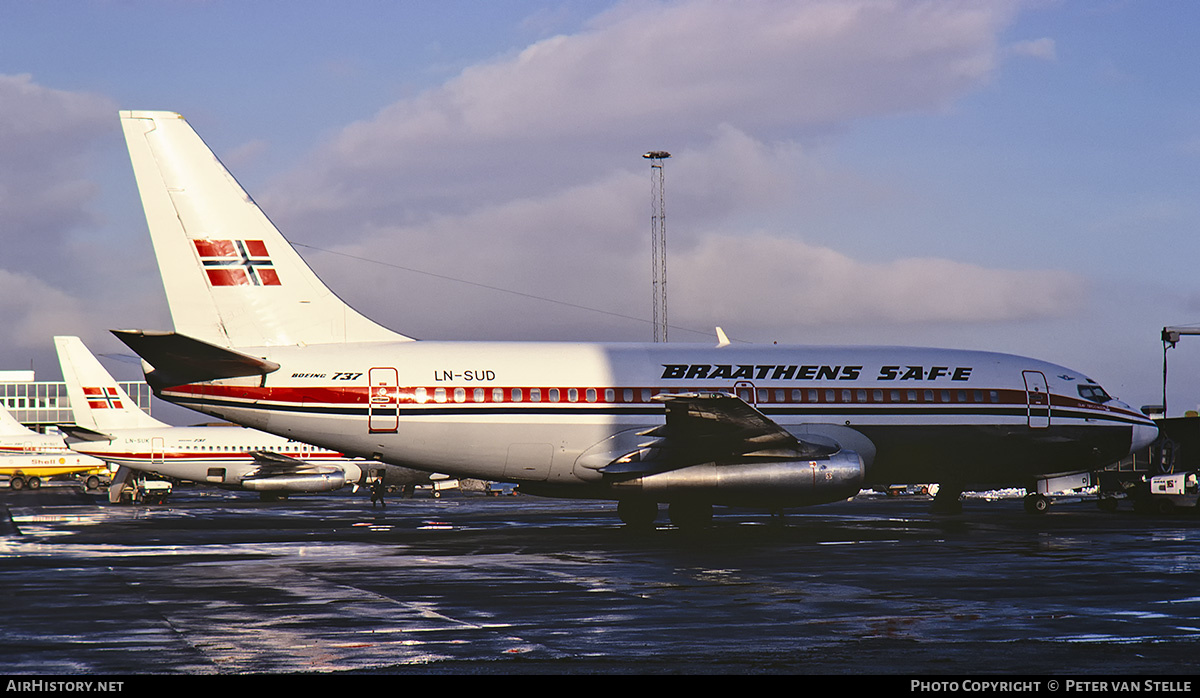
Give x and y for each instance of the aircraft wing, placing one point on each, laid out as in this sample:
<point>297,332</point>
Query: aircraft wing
<point>713,428</point>
<point>272,463</point>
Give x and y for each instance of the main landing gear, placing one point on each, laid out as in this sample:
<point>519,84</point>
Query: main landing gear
<point>642,513</point>
<point>946,501</point>
<point>637,513</point>
<point>1036,503</point>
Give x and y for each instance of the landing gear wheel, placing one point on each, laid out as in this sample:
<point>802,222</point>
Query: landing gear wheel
<point>637,513</point>
<point>946,500</point>
<point>690,514</point>
<point>1036,504</point>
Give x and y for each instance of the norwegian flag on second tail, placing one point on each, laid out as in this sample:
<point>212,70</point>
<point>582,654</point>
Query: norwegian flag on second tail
<point>102,398</point>
<point>237,262</point>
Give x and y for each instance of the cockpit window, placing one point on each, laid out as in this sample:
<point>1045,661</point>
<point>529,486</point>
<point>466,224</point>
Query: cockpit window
<point>1093,392</point>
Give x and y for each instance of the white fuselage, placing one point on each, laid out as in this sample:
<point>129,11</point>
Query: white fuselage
<point>214,454</point>
<point>42,455</point>
<point>551,414</point>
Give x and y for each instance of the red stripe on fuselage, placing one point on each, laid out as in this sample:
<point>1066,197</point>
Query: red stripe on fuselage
<point>766,397</point>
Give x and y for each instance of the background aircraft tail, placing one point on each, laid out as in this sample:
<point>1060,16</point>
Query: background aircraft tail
<point>98,401</point>
<point>9,426</point>
<point>230,276</point>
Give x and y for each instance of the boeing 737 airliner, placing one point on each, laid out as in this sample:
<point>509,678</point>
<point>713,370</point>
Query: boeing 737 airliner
<point>110,426</point>
<point>261,341</point>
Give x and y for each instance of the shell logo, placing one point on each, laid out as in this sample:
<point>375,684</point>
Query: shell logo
<point>62,461</point>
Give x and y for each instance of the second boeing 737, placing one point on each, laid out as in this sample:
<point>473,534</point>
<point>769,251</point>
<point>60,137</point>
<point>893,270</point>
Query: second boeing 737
<point>109,425</point>
<point>261,341</point>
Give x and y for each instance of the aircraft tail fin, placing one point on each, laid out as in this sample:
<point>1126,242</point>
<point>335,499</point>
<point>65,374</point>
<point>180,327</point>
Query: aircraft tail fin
<point>9,426</point>
<point>230,276</point>
<point>97,399</point>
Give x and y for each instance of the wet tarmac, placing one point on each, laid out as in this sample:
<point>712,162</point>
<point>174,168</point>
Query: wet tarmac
<point>220,583</point>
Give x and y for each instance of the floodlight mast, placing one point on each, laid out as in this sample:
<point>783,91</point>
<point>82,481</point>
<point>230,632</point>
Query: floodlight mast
<point>658,242</point>
<point>1171,337</point>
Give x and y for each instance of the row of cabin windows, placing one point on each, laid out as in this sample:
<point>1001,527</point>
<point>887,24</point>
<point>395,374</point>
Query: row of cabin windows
<point>246,449</point>
<point>877,395</point>
<point>765,395</point>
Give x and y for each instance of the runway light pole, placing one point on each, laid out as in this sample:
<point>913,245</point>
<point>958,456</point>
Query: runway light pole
<point>658,242</point>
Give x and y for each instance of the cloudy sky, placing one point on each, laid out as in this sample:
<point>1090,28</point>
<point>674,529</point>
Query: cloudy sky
<point>1015,176</point>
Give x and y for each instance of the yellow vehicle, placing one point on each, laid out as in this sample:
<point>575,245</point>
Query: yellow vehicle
<point>30,469</point>
<point>28,458</point>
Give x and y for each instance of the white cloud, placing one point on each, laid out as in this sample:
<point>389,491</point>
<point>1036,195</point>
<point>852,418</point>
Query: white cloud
<point>651,75</point>
<point>588,245</point>
<point>33,310</point>
<point>48,187</point>
<point>45,185</point>
<point>525,172</point>
<point>787,283</point>
<point>1043,48</point>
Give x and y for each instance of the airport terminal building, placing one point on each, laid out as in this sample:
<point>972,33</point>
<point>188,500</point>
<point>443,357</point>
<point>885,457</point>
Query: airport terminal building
<point>38,404</point>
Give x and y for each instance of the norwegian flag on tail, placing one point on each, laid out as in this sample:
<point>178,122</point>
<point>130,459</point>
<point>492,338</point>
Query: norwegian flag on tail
<point>102,398</point>
<point>237,262</point>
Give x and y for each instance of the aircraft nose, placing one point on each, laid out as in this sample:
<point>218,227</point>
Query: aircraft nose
<point>1144,434</point>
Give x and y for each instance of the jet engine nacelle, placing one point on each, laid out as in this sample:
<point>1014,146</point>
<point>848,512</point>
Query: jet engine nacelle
<point>307,482</point>
<point>772,483</point>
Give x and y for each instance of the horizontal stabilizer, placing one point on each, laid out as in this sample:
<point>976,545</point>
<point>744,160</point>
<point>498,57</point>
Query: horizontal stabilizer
<point>178,359</point>
<point>76,433</point>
